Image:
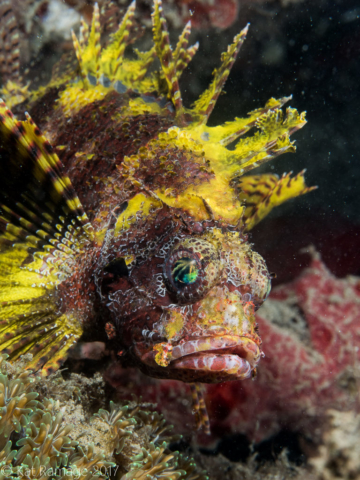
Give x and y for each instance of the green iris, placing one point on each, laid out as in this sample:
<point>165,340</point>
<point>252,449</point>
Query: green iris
<point>185,271</point>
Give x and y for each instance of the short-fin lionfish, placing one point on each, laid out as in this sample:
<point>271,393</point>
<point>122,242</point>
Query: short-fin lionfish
<point>125,221</point>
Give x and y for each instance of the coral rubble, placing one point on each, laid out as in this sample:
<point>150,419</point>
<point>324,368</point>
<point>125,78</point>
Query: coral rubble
<point>280,469</point>
<point>338,456</point>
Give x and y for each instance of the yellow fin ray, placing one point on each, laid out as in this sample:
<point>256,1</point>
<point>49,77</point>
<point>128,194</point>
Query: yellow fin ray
<point>165,55</point>
<point>39,165</point>
<point>205,104</point>
<point>84,33</point>
<point>230,131</point>
<point>183,55</point>
<point>143,63</point>
<point>261,193</point>
<point>91,53</point>
<point>29,312</point>
<point>79,55</point>
<point>270,140</point>
<point>110,62</point>
<point>114,53</point>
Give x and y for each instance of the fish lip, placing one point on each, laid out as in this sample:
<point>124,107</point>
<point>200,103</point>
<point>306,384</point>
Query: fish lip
<point>225,357</point>
<point>215,358</point>
<point>238,345</point>
<point>225,366</point>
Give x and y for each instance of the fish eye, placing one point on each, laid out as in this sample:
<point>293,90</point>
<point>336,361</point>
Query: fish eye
<point>191,269</point>
<point>185,272</point>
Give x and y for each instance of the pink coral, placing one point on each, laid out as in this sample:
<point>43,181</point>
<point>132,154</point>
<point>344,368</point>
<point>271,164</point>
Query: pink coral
<point>312,333</point>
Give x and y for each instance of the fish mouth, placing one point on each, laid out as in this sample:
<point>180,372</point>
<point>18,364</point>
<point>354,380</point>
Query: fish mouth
<point>225,355</point>
<point>222,357</point>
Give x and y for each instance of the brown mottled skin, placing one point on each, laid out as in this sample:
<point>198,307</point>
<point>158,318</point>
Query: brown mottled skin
<point>93,129</point>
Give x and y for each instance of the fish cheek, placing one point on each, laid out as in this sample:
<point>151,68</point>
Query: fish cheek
<point>135,301</point>
<point>247,273</point>
<point>148,279</point>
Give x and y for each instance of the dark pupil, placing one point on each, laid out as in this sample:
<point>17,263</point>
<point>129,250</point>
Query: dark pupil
<point>185,272</point>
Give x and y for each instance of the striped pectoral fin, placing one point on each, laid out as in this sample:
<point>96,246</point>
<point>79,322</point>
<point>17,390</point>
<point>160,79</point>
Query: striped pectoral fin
<point>30,317</point>
<point>44,233</point>
<point>38,330</point>
<point>32,188</point>
<point>261,193</point>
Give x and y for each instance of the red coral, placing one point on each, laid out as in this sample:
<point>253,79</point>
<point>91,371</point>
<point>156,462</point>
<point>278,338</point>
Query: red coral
<point>312,333</point>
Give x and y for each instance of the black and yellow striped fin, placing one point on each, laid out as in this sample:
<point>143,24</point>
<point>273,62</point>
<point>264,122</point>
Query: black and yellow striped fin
<point>43,233</point>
